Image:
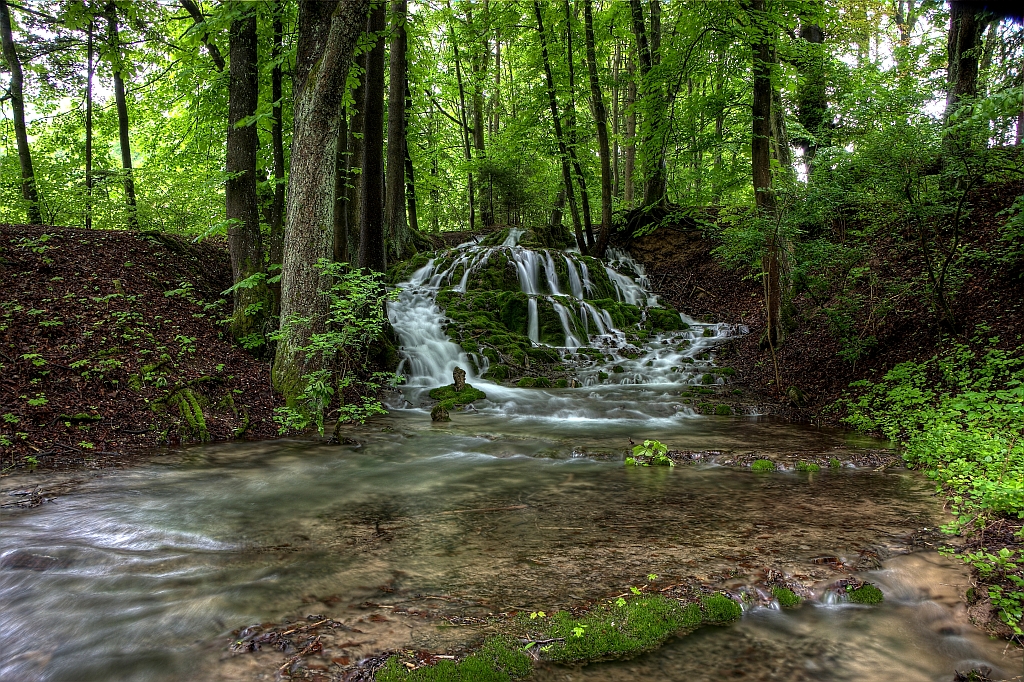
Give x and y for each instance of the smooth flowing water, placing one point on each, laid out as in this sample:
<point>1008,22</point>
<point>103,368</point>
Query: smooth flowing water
<point>523,503</point>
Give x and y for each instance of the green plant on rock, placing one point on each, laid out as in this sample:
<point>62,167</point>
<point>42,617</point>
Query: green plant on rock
<point>650,452</point>
<point>809,467</point>
<point>762,465</point>
<point>193,422</point>
<point>865,594</point>
<point>719,609</point>
<point>786,597</point>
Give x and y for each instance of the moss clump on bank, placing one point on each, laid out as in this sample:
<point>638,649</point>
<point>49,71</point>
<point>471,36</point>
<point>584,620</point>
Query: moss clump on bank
<point>762,465</point>
<point>501,659</point>
<point>865,594</point>
<point>448,394</point>
<point>719,609</point>
<point>786,597</point>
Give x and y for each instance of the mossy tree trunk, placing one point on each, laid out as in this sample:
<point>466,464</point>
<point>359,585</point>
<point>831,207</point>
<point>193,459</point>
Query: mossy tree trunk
<point>328,32</point>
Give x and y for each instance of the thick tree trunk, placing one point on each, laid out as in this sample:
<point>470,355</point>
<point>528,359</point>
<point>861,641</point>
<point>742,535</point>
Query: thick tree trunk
<point>559,137</point>
<point>29,192</point>
<point>122,115</point>
<point>629,163</point>
<point>652,152</point>
<point>90,68</point>
<point>600,118</point>
<point>242,208</point>
<point>277,140</point>
<point>464,120</point>
<point>309,218</point>
<point>965,27</point>
<point>372,254</point>
<point>399,237</point>
<point>573,133</point>
<point>199,21</point>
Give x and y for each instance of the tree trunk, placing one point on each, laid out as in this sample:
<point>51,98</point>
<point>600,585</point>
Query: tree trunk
<point>812,102</point>
<point>353,185</point>
<point>965,27</point>
<point>372,255</point>
<point>600,118</point>
<point>573,134</point>
<point>780,136</point>
<point>630,160</point>
<point>559,137</point>
<point>341,225</point>
<point>410,186</point>
<point>122,115</point>
<point>90,68</point>
<point>616,94</point>
<point>399,237</point>
<point>760,153</point>
<point>464,120</point>
<point>28,177</point>
<point>242,208</point>
<point>277,140</point>
<point>309,216</point>
<point>199,21</point>
<point>652,153</point>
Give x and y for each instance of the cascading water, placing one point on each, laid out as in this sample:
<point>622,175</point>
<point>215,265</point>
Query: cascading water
<point>602,356</point>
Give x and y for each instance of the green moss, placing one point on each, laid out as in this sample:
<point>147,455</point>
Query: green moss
<point>497,373</point>
<point>723,410</point>
<point>708,331</point>
<point>807,466</point>
<point>718,608</point>
<point>762,465</point>
<point>193,422</point>
<point>542,382</point>
<point>787,598</point>
<point>619,630</point>
<point>865,594</point>
<point>834,463</point>
<point>664,319</point>
<point>544,355</point>
<point>603,376</point>
<point>618,369</point>
<point>526,382</point>
<point>562,383</point>
<point>501,659</point>
<point>707,379</point>
<point>448,394</point>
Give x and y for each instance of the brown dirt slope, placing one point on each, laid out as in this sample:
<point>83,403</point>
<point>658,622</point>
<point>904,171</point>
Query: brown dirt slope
<point>110,345</point>
<point>684,271</point>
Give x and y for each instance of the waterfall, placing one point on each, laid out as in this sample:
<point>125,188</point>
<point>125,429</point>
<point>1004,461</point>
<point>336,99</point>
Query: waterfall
<point>532,325</point>
<point>551,274</point>
<point>574,279</point>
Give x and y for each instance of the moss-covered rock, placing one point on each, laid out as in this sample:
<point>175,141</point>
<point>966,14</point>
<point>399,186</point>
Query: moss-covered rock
<point>865,594</point>
<point>449,395</point>
<point>786,597</point>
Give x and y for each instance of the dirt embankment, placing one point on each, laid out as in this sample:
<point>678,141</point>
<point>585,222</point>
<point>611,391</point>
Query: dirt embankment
<point>110,345</point>
<point>904,326</point>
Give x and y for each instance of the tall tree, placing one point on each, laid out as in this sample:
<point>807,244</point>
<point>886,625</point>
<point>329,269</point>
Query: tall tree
<point>277,137</point>
<point>354,161</point>
<point>29,192</point>
<point>601,119</point>
<point>89,69</point>
<point>410,181</point>
<point>651,97</point>
<point>327,37</point>
<point>372,252</point>
<point>121,102</point>
<point>812,102</point>
<point>399,237</point>
<point>199,23</point>
<point>966,24</point>
<point>464,120</point>
<point>242,208</point>
<point>629,163</point>
<point>570,191</point>
<point>573,134</point>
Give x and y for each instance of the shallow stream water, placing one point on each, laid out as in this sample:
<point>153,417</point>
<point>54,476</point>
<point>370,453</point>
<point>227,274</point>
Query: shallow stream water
<point>413,533</point>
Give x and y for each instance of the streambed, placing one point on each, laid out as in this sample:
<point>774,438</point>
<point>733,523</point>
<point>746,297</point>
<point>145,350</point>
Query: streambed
<point>149,570</point>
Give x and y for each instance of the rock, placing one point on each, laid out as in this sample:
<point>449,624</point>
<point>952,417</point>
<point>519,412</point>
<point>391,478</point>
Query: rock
<point>459,375</point>
<point>440,413</point>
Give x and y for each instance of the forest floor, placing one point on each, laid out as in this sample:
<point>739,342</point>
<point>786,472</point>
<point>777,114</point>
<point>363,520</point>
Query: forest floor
<point>110,345</point>
<point>684,270</point>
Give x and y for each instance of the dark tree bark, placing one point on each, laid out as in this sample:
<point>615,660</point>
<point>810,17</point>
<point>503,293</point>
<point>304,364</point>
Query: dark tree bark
<point>652,152</point>
<point>341,226</point>
<point>629,163</point>
<point>90,68</point>
<point>277,140</point>
<point>117,66</point>
<point>29,192</point>
<point>199,21</point>
<point>355,162</point>
<point>965,27</point>
<point>410,181</point>
<point>600,118</point>
<point>616,96</point>
<point>760,153</point>
<point>372,253</point>
<point>572,133</point>
<point>242,208</point>
<point>309,233</point>
<point>570,189</point>
<point>812,102</point>
<point>464,120</point>
<point>399,237</point>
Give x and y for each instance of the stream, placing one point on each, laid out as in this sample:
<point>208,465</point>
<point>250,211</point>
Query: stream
<point>412,533</point>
